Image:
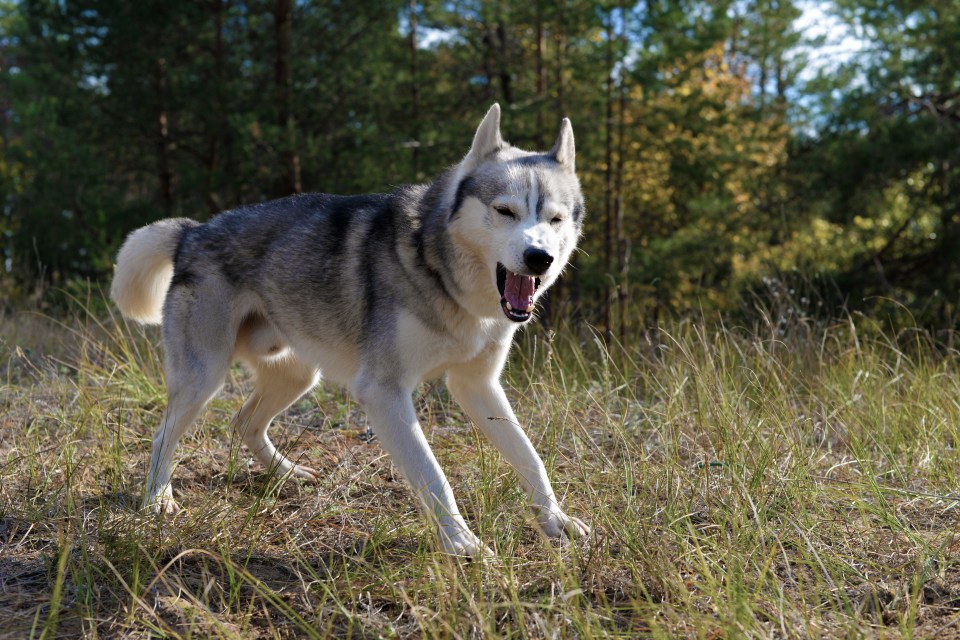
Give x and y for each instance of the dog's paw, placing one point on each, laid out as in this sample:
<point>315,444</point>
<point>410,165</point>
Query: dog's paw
<point>304,473</point>
<point>162,505</point>
<point>554,523</point>
<point>458,541</point>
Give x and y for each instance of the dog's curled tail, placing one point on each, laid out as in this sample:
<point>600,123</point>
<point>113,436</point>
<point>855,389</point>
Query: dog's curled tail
<point>144,269</point>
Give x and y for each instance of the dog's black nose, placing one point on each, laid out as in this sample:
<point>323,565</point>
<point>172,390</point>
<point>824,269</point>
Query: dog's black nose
<point>537,260</point>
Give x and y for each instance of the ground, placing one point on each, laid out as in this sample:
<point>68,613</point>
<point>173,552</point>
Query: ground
<point>781,481</point>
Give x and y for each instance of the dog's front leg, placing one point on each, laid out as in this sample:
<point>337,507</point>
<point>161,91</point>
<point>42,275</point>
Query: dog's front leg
<point>395,424</point>
<point>478,390</point>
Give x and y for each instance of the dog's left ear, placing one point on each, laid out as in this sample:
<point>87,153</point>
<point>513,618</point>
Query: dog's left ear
<point>486,140</point>
<point>563,149</point>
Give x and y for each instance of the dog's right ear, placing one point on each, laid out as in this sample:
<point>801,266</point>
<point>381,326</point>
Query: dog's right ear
<point>487,139</point>
<point>563,149</point>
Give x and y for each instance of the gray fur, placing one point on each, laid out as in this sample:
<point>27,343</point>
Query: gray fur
<point>375,292</point>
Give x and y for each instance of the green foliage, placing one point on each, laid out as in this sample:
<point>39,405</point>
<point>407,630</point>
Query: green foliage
<point>794,480</point>
<point>710,159</point>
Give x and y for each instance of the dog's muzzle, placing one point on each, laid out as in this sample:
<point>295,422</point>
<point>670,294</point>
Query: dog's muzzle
<point>516,293</point>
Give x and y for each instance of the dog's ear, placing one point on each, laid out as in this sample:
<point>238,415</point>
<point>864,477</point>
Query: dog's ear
<point>487,139</point>
<point>563,149</point>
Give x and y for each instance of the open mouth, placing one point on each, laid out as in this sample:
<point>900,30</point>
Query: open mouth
<point>516,293</point>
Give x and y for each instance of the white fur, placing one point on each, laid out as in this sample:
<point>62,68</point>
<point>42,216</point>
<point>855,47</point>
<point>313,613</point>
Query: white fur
<point>470,348</point>
<point>144,269</point>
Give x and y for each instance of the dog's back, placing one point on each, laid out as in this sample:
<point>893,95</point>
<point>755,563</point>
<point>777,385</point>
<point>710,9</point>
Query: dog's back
<point>377,292</point>
<point>308,232</point>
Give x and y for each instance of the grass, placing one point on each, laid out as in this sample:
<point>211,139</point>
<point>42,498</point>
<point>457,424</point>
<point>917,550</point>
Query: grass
<point>794,481</point>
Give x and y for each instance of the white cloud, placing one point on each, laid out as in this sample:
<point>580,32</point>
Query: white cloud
<point>839,42</point>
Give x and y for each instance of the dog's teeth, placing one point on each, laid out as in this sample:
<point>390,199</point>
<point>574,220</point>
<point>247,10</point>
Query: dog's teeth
<point>509,307</point>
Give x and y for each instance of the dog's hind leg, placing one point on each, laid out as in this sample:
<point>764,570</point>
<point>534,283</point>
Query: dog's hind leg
<point>198,339</point>
<point>278,384</point>
<point>185,404</point>
<point>191,383</point>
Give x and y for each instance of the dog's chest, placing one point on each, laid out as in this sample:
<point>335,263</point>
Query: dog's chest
<point>427,353</point>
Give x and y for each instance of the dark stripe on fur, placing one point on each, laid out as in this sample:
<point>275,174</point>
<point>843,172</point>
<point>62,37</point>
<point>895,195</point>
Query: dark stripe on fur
<point>577,211</point>
<point>423,264</point>
<point>182,276</point>
<point>463,190</point>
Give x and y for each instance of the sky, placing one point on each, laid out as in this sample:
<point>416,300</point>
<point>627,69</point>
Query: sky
<point>817,20</point>
<point>839,45</point>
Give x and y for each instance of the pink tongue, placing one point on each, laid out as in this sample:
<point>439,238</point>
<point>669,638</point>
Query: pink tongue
<point>518,291</point>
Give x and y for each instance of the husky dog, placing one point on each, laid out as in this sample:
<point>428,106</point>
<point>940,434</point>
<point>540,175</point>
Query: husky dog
<point>376,293</point>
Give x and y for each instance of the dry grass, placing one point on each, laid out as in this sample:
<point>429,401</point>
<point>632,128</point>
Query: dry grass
<point>796,483</point>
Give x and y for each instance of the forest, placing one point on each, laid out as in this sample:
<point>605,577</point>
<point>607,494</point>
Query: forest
<point>775,154</point>
<point>746,385</point>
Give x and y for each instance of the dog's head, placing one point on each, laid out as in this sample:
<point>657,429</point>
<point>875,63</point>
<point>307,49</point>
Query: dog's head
<point>518,212</point>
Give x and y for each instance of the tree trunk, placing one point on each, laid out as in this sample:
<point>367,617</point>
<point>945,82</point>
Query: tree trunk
<point>215,132</point>
<point>540,141</point>
<point>763,63</point>
<point>609,186</point>
<point>541,70</point>
<point>561,64</point>
<point>506,81</point>
<point>571,278</point>
<point>621,239</point>
<point>414,94</point>
<point>283,76</point>
<point>488,60</point>
<point>164,173</point>
<point>781,80</point>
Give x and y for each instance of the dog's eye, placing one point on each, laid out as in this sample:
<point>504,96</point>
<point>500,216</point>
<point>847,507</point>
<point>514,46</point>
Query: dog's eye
<point>505,211</point>
<point>556,220</point>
